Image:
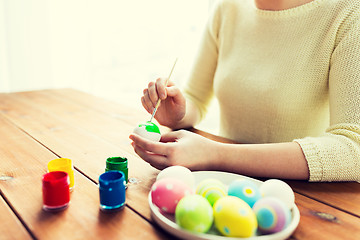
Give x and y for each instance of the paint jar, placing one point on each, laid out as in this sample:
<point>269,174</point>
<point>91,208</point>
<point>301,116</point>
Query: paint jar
<point>118,164</point>
<point>112,190</point>
<point>64,165</point>
<point>55,189</point>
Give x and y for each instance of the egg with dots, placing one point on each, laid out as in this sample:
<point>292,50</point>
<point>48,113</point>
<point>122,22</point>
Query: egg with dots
<point>148,130</point>
<point>211,189</point>
<point>178,172</point>
<point>278,189</point>
<point>233,217</point>
<point>272,215</point>
<point>245,190</point>
<point>167,192</point>
<point>194,213</point>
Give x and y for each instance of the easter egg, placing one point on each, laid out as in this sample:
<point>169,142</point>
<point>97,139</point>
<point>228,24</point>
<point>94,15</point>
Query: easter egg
<point>279,189</point>
<point>272,215</point>
<point>178,172</point>
<point>233,217</point>
<point>245,190</point>
<point>148,130</point>
<point>194,213</point>
<point>167,192</point>
<point>211,189</point>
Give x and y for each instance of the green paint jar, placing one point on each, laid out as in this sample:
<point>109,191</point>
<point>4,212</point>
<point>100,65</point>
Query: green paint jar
<point>119,164</point>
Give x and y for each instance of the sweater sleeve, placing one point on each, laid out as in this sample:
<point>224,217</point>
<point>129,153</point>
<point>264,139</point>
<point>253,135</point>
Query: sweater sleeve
<point>199,87</point>
<point>335,156</point>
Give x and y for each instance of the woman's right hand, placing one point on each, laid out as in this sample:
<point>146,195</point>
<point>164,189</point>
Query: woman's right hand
<point>172,108</point>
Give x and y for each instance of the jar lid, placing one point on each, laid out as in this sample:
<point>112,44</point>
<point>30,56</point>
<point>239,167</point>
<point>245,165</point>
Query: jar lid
<point>55,179</point>
<point>116,163</point>
<point>64,164</point>
<point>112,179</point>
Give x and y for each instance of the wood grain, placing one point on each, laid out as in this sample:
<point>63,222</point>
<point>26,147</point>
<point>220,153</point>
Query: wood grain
<point>319,221</point>
<point>344,195</point>
<point>10,227</point>
<point>68,133</point>
<point>87,130</point>
<point>25,161</point>
<point>130,112</point>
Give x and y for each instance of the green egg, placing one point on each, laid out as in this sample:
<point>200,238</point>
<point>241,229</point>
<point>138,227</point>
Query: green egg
<point>194,213</point>
<point>150,127</point>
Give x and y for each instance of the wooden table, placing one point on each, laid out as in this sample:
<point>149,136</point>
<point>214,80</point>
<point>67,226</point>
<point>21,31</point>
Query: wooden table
<point>38,126</point>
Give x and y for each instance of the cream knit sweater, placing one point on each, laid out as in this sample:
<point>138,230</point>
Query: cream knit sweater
<point>291,75</point>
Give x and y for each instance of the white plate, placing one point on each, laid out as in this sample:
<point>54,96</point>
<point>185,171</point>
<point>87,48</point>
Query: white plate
<point>167,221</point>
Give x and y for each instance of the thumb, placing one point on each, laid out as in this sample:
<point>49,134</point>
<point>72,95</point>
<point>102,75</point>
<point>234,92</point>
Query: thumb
<point>171,136</point>
<point>175,93</point>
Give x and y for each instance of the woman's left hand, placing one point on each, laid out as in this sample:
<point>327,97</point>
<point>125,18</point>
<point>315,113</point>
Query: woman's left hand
<point>177,148</point>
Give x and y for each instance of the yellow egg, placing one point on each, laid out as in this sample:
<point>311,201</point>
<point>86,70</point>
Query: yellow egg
<point>234,217</point>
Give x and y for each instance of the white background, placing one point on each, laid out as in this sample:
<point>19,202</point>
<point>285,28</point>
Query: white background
<point>108,48</point>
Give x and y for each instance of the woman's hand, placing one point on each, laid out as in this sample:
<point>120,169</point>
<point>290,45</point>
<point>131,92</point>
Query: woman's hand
<point>177,148</point>
<point>273,160</point>
<point>172,108</point>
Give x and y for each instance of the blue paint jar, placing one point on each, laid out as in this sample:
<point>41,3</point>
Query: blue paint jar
<point>112,190</point>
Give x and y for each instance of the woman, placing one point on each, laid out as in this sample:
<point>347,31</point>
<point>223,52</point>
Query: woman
<point>286,75</point>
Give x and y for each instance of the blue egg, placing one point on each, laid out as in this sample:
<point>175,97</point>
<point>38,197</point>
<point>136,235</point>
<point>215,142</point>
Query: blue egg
<point>245,190</point>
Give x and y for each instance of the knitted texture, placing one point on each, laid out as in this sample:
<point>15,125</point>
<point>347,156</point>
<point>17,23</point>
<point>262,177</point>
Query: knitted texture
<point>280,76</point>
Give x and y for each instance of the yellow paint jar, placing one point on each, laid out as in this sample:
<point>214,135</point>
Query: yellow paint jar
<point>64,165</point>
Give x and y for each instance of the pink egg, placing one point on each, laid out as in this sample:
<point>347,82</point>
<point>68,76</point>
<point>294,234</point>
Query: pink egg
<point>167,192</point>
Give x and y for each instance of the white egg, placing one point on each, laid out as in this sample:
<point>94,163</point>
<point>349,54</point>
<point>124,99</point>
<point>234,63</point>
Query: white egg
<point>178,172</point>
<point>149,131</point>
<point>278,189</point>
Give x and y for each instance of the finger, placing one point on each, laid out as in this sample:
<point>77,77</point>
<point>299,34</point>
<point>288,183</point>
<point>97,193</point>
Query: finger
<point>160,88</point>
<point>155,160</point>
<point>153,95</point>
<point>149,109</point>
<point>148,103</point>
<point>175,93</point>
<point>170,83</point>
<point>171,136</point>
<point>150,146</point>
